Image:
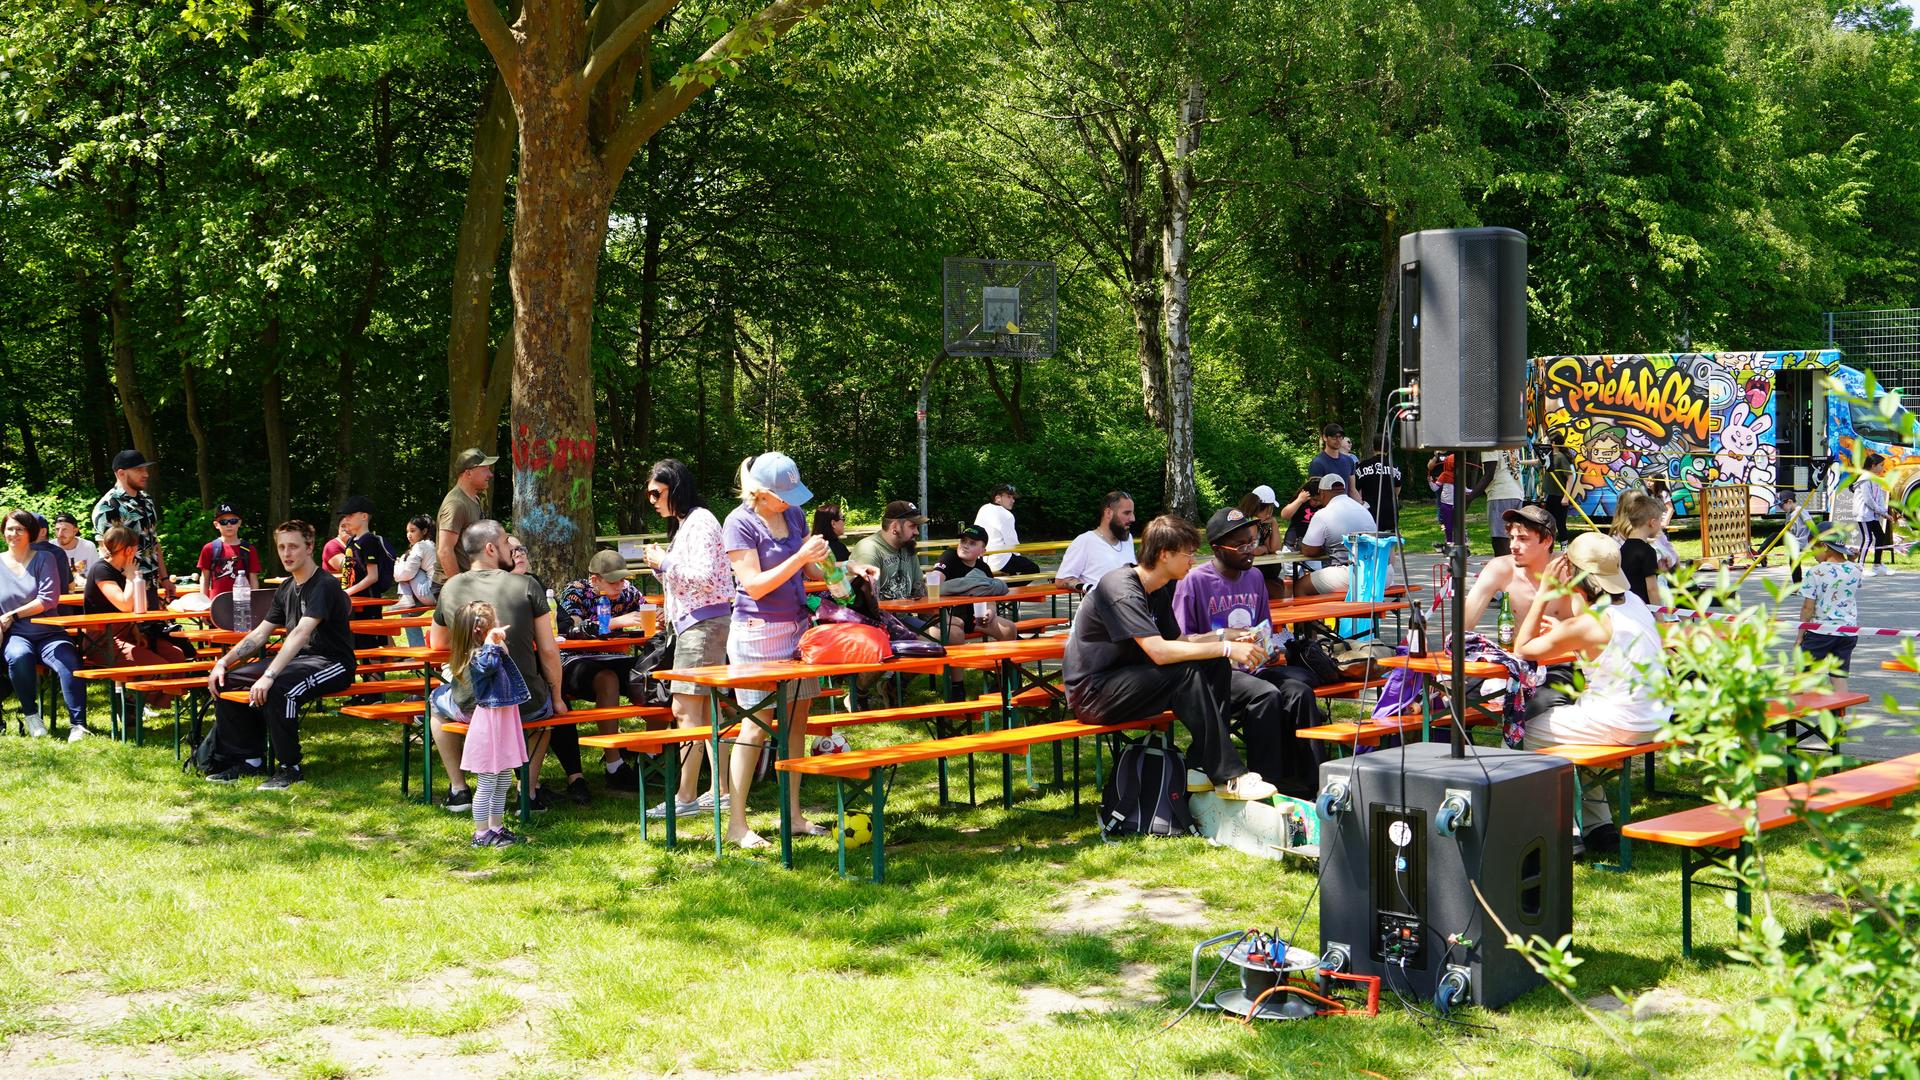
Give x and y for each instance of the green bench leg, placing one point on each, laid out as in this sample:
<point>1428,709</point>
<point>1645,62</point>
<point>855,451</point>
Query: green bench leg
<point>1686,902</point>
<point>1626,815</point>
<point>878,824</point>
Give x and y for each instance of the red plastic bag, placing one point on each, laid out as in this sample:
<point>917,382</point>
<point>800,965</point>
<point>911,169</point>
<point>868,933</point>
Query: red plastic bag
<point>844,643</point>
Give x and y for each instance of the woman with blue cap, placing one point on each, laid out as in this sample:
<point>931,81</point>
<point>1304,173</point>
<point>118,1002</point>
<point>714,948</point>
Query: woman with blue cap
<point>772,554</point>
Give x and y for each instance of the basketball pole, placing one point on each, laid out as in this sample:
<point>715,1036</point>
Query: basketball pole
<point>920,420</point>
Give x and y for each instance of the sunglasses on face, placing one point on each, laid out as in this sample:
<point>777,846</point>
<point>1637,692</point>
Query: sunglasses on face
<point>655,494</point>
<point>228,521</point>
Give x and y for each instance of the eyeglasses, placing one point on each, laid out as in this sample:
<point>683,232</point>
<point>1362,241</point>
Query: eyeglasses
<point>227,521</point>
<point>656,494</point>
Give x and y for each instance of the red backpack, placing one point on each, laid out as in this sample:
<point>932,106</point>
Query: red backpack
<point>844,643</point>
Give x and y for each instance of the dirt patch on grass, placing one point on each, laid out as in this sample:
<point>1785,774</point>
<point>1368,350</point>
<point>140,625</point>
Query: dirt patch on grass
<point>1096,907</point>
<point>327,1026</point>
<point>1658,1002</point>
<point>1135,989</point>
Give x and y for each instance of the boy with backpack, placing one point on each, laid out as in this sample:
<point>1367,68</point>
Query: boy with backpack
<point>226,562</point>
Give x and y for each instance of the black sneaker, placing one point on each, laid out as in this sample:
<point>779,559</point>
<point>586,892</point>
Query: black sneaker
<point>541,801</point>
<point>486,838</point>
<point>1602,839</point>
<point>624,778</point>
<point>283,778</point>
<point>236,772</point>
<point>460,800</point>
<point>577,791</point>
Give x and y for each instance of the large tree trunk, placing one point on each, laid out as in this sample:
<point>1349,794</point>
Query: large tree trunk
<point>1177,180</point>
<point>1383,312</point>
<point>559,222</point>
<point>1145,298</point>
<point>355,338</point>
<point>478,374</point>
<point>97,422</point>
<point>202,458</point>
<point>279,461</point>
<point>34,472</point>
<point>126,376</point>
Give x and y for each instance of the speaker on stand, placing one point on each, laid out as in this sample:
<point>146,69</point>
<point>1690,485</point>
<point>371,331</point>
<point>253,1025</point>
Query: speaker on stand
<point>1407,833</point>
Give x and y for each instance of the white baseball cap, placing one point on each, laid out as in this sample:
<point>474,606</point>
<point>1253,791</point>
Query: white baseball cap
<point>1265,495</point>
<point>1331,481</point>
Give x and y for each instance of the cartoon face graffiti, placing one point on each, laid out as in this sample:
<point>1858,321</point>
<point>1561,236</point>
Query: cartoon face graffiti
<point>1606,445</point>
<point>1758,390</point>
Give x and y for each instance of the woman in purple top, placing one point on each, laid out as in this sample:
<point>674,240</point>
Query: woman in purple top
<point>772,555</point>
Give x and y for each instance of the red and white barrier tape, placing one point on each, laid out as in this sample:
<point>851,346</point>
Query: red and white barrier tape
<point>1813,627</point>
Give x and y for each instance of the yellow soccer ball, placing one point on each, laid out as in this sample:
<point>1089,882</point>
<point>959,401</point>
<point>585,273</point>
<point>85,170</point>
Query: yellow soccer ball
<point>858,830</point>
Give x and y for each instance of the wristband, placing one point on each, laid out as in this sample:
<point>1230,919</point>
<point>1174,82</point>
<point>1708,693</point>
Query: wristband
<point>1226,649</point>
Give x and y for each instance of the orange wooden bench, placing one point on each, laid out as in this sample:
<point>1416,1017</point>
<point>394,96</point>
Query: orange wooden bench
<point>1716,836</point>
<point>1600,756</point>
<point>872,769</point>
<point>1790,718</point>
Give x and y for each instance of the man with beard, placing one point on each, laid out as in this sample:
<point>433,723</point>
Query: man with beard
<point>1103,548</point>
<point>1226,599</point>
<point>895,550</point>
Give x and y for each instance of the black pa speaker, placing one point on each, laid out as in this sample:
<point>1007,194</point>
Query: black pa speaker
<point>1402,835</point>
<point>1463,336</point>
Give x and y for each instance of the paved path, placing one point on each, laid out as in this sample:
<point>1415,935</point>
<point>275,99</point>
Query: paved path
<point>1884,601</point>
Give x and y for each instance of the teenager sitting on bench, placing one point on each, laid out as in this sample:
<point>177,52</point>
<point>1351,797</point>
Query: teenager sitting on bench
<point>1125,661</point>
<point>1614,633</point>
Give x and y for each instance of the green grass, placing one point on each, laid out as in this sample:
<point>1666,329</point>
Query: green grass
<point>264,926</point>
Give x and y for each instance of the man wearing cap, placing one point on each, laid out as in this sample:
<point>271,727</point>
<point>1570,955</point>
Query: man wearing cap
<point>1106,547</point>
<point>1226,599</point>
<point>464,504</point>
<point>598,676</point>
<point>1618,643</point>
<point>127,503</point>
<point>1336,516</point>
<point>520,605</point>
<point>77,550</point>
<point>964,572</point>
<point>996,517</point>
<point>1333,459</point>
<point>1530,529</point>
<point>227,563</point>
<point>894,550</point>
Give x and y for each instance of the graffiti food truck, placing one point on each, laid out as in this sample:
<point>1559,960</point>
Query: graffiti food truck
<point>1775,421</point>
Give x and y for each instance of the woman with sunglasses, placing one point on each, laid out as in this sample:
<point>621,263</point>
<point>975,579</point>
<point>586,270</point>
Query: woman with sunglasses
<point>226,562</point>
<point>831,522</point>
<point>698,582</point>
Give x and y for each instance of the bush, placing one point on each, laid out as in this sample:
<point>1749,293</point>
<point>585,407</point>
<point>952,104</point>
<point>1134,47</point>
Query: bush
<point>1061,475</point>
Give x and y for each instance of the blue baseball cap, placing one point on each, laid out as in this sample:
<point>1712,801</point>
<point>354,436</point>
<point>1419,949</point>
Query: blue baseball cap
<point>777,473</point>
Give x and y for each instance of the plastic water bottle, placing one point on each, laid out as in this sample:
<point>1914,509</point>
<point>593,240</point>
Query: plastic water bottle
<point>836,577</point>
<point>603,615</point>
<point>242,607</point>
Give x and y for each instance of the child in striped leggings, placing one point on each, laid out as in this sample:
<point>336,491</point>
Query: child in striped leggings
<point>495,744</point>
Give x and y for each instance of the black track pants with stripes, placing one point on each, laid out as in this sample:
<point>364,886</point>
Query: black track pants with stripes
<point>242,730</point>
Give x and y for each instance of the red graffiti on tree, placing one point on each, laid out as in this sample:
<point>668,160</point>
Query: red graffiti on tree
<point>558,454</point>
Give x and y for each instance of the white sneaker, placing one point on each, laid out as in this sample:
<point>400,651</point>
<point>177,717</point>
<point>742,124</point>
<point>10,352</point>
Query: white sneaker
<point>1867,572</point>
<point>77,733</point>
<point>1198,781</point>
<point>704,804</point>
<point>36,727</point>
<point>1248,787</point>
<point>658,811</point>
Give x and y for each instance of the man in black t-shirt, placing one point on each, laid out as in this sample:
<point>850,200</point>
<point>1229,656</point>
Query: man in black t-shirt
<point>1125,661</point>
<point>315,658</point>
<point>370,560</point>
<point>1377,480</point>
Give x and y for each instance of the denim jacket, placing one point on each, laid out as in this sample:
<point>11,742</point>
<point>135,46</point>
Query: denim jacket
<point>496,681</point>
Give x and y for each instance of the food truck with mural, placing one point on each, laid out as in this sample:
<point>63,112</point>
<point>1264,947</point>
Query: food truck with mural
<point>1775,421</point>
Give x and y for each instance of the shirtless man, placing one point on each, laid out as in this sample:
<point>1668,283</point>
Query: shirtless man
<point>1530,528</point>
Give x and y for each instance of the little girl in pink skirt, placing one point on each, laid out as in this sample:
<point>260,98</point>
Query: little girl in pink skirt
<point>495,745</point>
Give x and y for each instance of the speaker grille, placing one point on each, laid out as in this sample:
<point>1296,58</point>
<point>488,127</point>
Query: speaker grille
<point>1479,340</point>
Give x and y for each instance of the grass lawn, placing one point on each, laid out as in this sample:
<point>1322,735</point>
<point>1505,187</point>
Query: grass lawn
<point>159,925</point>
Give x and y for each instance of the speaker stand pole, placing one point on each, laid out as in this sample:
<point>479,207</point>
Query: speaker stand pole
<point>1457,637</point>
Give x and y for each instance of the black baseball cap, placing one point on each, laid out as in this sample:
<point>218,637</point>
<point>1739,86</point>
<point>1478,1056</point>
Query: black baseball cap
<point>227,510</point>
<point>1225,522</point>
<point>902,510</point>
<point>66,517</point>
<point>358,504</point>
<point>1333,431</point>
<point>1535,515</point>
<point>973,532</point>
<point>130,459</point>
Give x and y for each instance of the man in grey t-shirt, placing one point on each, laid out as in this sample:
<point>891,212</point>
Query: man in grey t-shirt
<point>465,504</point>
<point>520,605</point>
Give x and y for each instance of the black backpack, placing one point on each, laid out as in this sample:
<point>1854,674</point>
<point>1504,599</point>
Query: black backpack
<point>1147,793</point>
